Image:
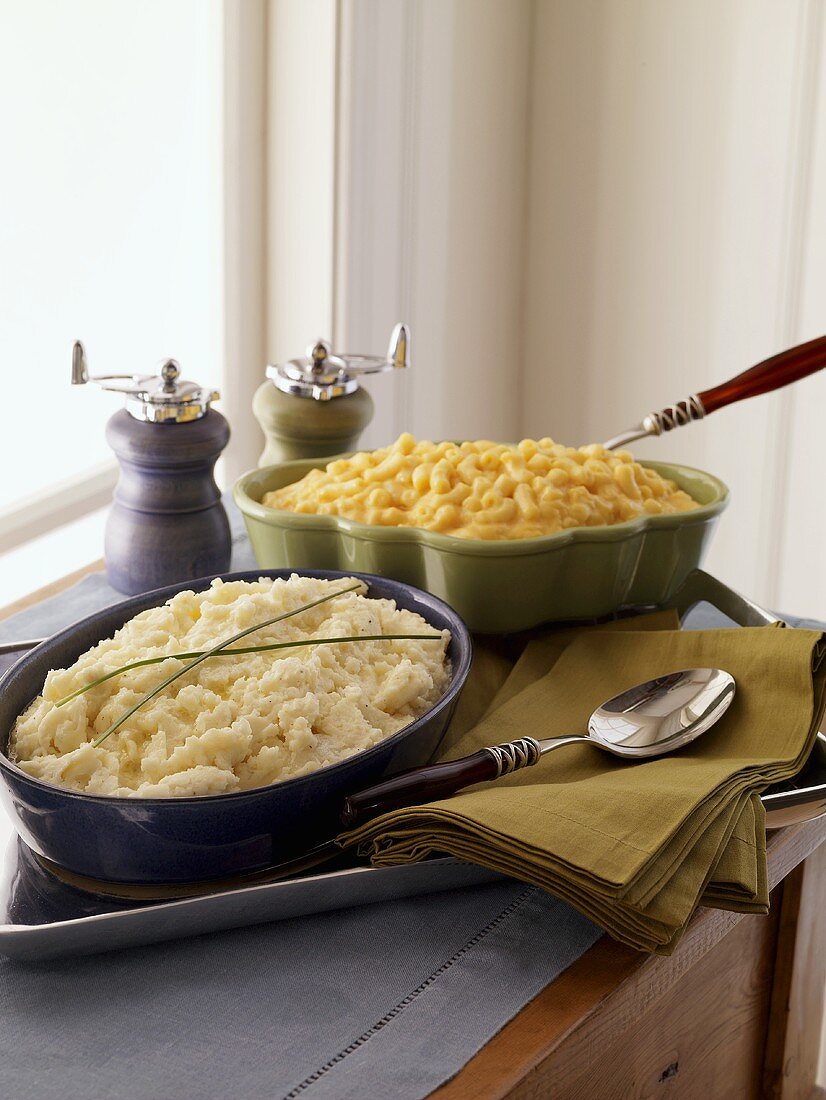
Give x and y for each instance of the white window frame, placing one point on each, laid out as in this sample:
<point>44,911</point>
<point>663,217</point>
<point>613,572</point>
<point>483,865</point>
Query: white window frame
<point>64,501</point>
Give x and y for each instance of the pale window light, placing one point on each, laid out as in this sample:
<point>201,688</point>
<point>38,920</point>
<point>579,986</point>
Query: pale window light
<point>109,223</point>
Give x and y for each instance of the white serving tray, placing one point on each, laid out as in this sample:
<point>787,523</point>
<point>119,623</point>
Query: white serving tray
<point>46,918</point>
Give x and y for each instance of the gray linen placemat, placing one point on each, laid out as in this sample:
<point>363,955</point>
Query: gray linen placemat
<point>386,1000</point>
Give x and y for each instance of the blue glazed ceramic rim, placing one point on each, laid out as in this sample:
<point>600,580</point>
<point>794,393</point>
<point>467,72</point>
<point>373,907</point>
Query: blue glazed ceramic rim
<point>461,661</point>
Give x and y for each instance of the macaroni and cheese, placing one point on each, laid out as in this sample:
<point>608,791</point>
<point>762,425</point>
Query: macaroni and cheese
<point>484,490</point>
<point>233,722</point>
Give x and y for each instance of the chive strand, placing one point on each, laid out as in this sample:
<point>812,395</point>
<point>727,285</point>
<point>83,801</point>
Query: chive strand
<point>216,649</point>
<point>245,649</point>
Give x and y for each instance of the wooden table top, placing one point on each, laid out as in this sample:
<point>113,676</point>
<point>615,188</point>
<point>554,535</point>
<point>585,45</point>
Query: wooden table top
<point>571,1008</point>
<point>602,988</point>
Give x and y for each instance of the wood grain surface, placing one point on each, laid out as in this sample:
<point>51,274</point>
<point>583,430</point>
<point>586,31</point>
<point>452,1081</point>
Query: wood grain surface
<point>794,1038</point>
<point>617,1000</point>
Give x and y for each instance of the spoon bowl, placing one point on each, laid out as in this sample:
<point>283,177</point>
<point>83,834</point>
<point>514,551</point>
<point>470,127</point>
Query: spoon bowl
<point>644,721</point>
<point>663,714</point>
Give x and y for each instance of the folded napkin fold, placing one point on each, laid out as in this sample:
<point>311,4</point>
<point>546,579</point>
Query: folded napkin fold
<point>635,846</point>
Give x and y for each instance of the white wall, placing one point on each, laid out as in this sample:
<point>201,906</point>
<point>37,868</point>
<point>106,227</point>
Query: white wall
<point>433,157</point>
<point>300,174</point>
<point>676,238</point>
<point>801,559</point>
<point>589,209</point>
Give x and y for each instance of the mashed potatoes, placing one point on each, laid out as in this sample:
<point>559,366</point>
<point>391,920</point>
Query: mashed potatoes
<point>233,722</point>
<point>484,490</point>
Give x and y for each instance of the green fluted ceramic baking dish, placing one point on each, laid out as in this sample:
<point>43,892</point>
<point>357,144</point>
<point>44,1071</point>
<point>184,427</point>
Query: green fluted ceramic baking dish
<point>496,586</point>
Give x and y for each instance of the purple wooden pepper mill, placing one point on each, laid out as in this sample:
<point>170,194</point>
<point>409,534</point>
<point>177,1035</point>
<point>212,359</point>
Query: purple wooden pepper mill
<point>167,522</point>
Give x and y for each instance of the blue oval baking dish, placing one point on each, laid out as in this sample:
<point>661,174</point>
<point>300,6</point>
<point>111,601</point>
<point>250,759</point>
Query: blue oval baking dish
<point>169,840</point>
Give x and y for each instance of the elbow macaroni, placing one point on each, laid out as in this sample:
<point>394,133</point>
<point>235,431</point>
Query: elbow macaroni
<point>484,490</point>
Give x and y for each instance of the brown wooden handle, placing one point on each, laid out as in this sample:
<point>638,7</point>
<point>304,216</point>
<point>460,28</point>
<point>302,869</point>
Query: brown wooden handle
<point>771,374</point>
<point>419,785</point>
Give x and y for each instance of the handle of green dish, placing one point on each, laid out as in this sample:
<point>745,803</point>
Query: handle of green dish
<point>434,781</point>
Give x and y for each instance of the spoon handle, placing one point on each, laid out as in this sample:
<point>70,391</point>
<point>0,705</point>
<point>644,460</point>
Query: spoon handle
<point>436,781</point>
<point>772,374</point>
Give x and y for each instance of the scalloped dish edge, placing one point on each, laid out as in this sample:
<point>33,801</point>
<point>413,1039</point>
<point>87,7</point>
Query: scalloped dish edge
<point>542,544</point>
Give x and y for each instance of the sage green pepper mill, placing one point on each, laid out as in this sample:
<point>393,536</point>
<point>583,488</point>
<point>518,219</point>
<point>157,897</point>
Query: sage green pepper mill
<point>314,406</point>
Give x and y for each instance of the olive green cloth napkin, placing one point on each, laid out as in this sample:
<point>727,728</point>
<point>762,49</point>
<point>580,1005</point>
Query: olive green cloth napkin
<point>634,846</point>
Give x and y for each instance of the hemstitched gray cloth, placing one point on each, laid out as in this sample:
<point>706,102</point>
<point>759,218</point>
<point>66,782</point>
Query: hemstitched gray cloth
<point>388,1000</point>
<point>385,1001</point>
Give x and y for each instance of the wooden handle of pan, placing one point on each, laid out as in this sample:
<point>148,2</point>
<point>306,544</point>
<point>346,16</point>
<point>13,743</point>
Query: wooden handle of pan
<point>435,781</point>
<point>418,785</point>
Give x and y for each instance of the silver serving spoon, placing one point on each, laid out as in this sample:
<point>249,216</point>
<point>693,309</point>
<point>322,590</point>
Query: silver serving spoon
<point>772,374</point>
<point>648,720</point>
